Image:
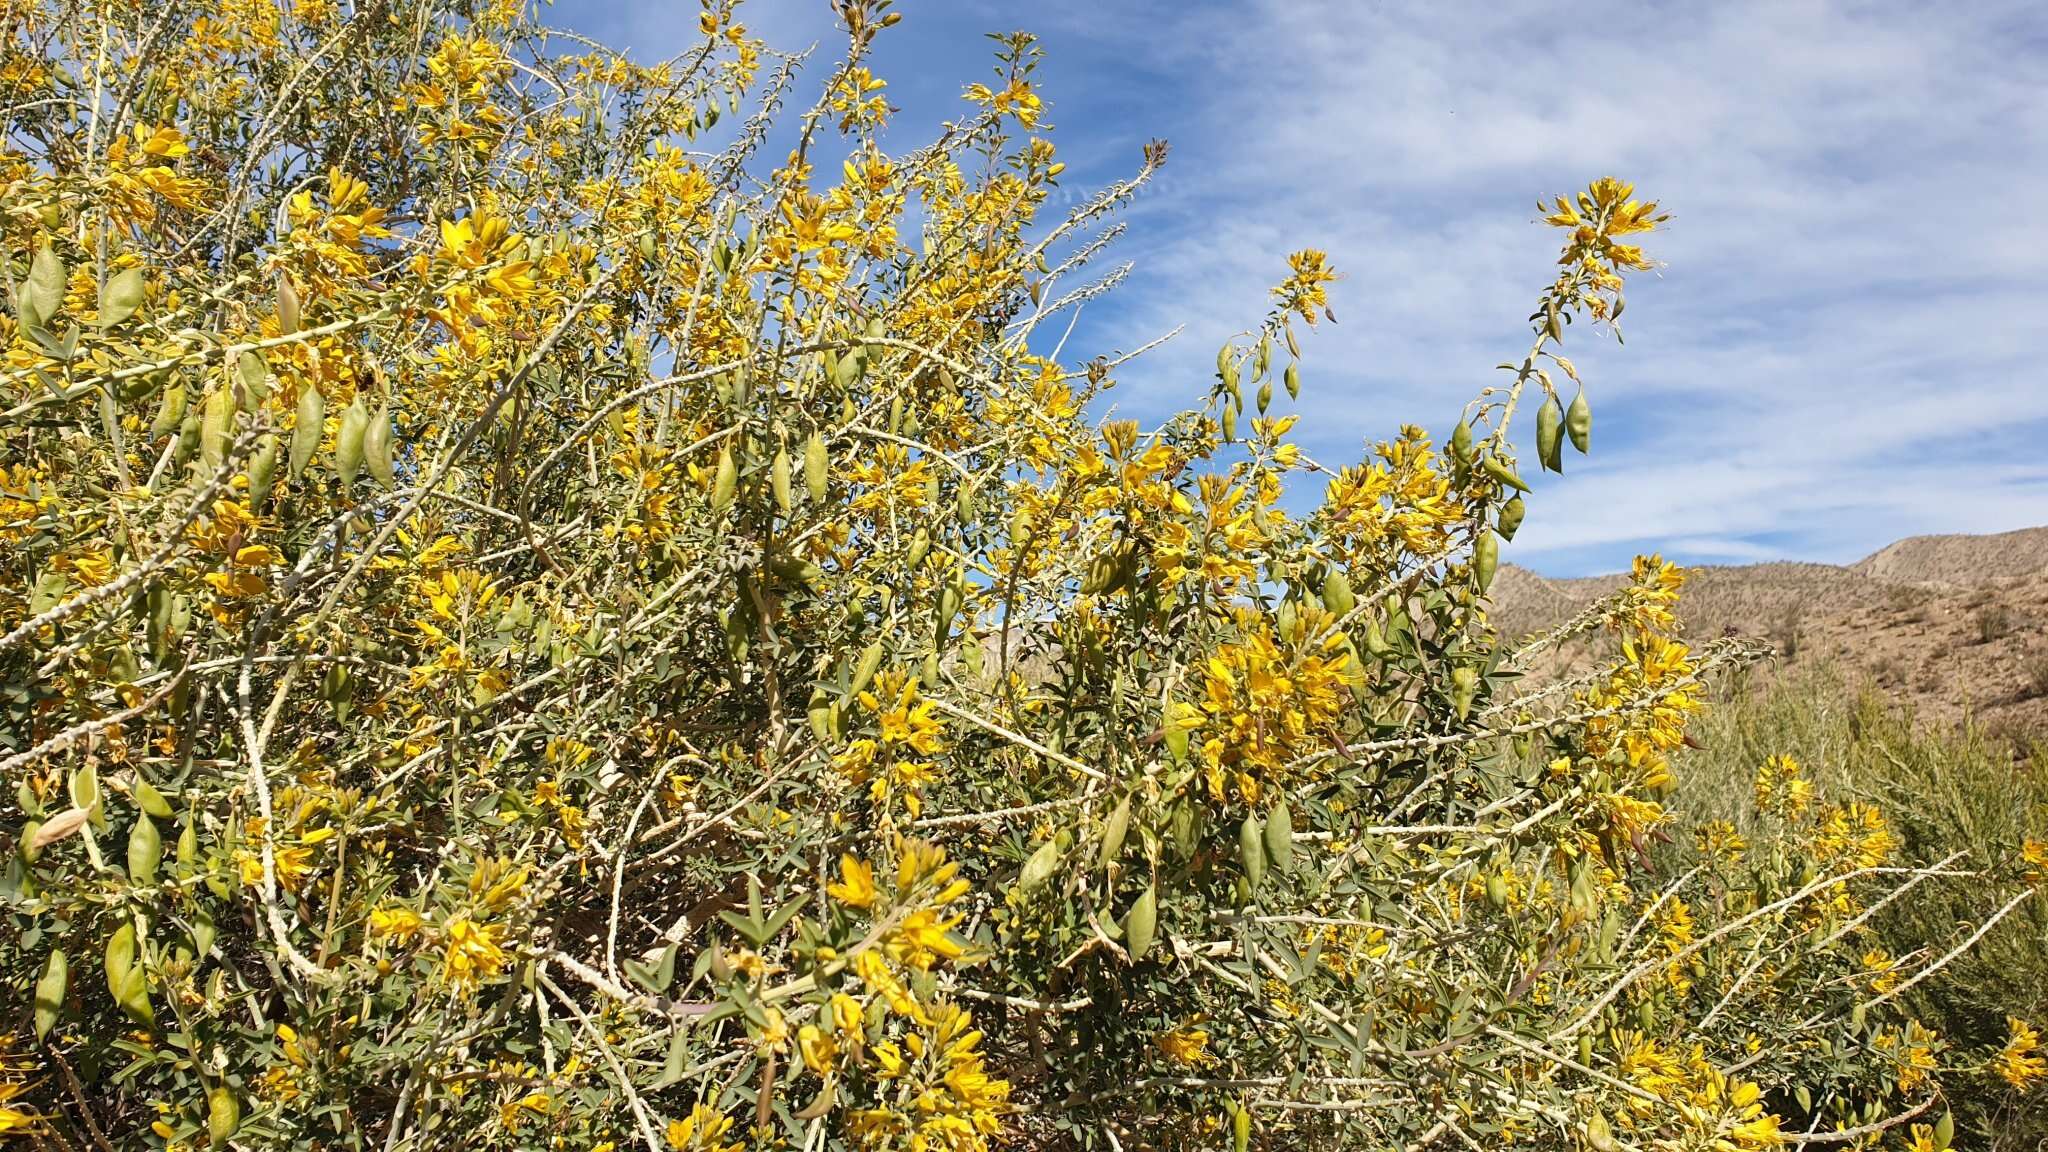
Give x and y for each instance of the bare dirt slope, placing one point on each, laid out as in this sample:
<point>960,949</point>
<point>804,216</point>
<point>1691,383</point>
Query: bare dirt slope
<point>1953,626</point>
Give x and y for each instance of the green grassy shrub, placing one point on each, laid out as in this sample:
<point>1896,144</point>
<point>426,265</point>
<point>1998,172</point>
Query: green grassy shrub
<point>1948,792</point>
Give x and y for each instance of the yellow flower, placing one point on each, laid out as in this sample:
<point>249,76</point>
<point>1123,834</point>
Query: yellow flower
<point>14,1120</point>
<point>1303,290</point>
<point>1186,1046</point>
<point>819,1050</point>
<point>701,1131</point>
<point>2020,1062</point>
<point>856,886</point>
<point>2034,853</point>
<point>395,923</point>
<point>473,953</point>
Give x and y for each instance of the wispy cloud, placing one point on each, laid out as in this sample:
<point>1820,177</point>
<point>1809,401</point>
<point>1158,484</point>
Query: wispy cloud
<point>1850,342</point>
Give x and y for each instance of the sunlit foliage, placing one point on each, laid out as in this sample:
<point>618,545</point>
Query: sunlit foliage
<point>547,605</point>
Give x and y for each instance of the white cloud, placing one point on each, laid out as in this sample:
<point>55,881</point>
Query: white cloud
<point>1852,312</point>
<point>1847,346</point>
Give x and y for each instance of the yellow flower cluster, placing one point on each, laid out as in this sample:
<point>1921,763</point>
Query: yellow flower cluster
<point>1268,700</point>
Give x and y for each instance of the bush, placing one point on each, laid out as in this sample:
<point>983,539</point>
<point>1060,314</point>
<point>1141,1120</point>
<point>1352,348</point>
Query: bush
<point>524,628</point>
<point>1957,798</point>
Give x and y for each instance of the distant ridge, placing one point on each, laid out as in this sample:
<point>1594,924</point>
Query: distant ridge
<point>1959,559</point>
<point>1952,625</point>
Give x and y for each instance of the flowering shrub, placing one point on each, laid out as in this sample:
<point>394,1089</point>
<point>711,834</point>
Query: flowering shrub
<point>524,629</point>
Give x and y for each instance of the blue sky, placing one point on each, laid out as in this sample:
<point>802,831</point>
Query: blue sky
<point>1849,343</point>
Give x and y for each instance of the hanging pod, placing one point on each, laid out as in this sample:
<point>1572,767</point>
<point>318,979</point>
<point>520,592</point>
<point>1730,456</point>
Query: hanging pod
<point>1141,922</point>
<point>1251,850</point>
<point>171,414</point>
<point>50,992</point>
<point>1485,558</point>
<point>778,480</point>
<point>1510,518</point>
<point>216,420</point>
<point>1114,830</point>
<point>1550,435</point>
<point>1337,595</point>
<point>348,441</point>
<point>724,481</point>
<point>1280,836</point>
<point>121,297</point>
<point>309,426</point>
<point>377,445</point>
<point>262,468</point>
<point>1578,422</point>
<point>1503,474</point>
<point>1040,867</point>
<point>43,293</point>
<point>816,465</point>
<point>1461,441</point>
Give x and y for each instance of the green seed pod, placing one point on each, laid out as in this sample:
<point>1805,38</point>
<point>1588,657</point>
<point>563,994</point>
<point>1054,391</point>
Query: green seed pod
<point>170,414</point>
<point>50,992</point>
<point>778,480</point>
<point>1578,422</point>
<point>724,481</point>
<point>1280,836</point>
<point>963,505</point>
<point>150,800</point>
<point>216,421</point>
<point>1510,518</point>
<point>262,469</point>
<point>255,379</point>
<point>1292,378</point>
<point>1485,557</point>
<point>816,467</point>
<point>1944,1131</point>
<point>1265,397</point>
<point>309,427</point>
<point>145,851</point>
<point>896,415</point>
<point>1550,435</point>
<point>1461,441</point>
<point>1176,743</point>
<point>1040,867</point>
<point>1375,640</point>
<point>1251,850</point>
<point>223,1116</point>
<point>870,663</point>
<point>1337,595</point>
<point>1114,830</point>
<point>1599,1137</point>
<point>1241,1129</point>
<point>920,544</point>
<point>1497,890</point>
<point>287,306</point>
<point>1141,922</point>
<point>377,446</point>
<point>188,844</point>
<point>121,297</point>
<point>120,957</point>
<point>1500,472</point>
<point>348,441</point>
<point>43,293</point>
<point>1229,422</point>
<point>1464,688</point>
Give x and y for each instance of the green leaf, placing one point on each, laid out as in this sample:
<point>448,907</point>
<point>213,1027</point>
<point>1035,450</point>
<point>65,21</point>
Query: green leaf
<point>50,992</point>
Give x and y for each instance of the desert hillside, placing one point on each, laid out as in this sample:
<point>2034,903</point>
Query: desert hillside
<point>1951,625</point>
